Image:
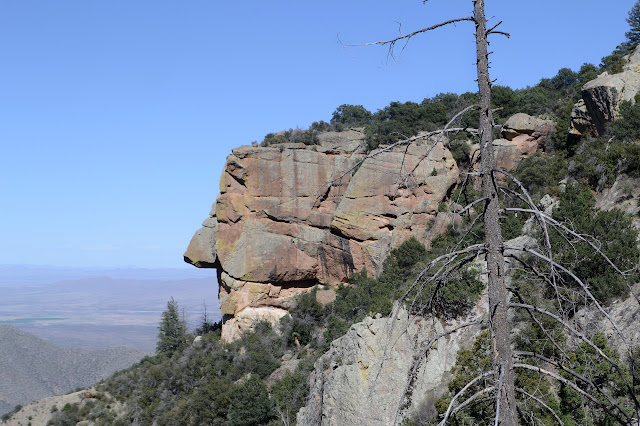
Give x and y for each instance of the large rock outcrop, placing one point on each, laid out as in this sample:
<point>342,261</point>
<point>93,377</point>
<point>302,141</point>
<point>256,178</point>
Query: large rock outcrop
<point>601,97</point>
<point>363,376</point>
<point>522,135</point>
<point>291,216</point>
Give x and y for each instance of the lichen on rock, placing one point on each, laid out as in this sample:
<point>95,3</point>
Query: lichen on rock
<point>290,216</point>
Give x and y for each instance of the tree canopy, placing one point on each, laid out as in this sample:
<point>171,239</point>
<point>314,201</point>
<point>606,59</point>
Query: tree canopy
<point>173,330</point>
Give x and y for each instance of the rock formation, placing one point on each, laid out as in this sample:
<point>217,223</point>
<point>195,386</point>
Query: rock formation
<point>291,216</point>
<point>602,97</point>
<point>522,135</point>
<point>351,386</point>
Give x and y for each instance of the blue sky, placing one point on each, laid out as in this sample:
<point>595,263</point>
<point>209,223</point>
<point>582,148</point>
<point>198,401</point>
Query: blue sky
<point>116,116</point>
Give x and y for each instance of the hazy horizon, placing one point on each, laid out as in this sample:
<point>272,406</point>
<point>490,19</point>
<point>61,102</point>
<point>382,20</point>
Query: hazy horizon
<point>102,308</point>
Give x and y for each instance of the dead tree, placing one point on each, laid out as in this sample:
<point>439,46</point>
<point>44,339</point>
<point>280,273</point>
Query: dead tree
<point>501,379</point>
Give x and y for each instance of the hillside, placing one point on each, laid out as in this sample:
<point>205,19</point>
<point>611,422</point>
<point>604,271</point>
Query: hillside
<point>355,272</point>
<point>33,368</point>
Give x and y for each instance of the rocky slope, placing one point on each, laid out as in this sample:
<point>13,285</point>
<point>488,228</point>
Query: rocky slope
<point>601,97</point>
<point>33,368</point>
<point>279,227</point>
<point>360,380</point>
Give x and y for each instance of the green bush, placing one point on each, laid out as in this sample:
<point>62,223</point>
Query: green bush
<point>351,115</point>
<point>289,394</point>
<point>627,127</point>
<point>540,174</point>
<point>611,231</point>
<point>250,404</point>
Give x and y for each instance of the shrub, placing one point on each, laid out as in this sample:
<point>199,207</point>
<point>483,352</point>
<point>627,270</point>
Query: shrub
<point>250,404</point>
<point>541,173</point>
<point>289,394</point>
<point>612,231</point>
<point>627,127</point>
<point>351,115</point>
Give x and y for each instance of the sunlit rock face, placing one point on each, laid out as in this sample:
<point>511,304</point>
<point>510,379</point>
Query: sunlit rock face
<point>361,379</point>
<point>522,135</point>
<point>601,97</point>
<point>291,216</point>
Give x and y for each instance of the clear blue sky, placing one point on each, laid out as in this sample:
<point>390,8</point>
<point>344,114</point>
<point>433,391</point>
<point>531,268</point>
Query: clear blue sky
<point>116,115</point>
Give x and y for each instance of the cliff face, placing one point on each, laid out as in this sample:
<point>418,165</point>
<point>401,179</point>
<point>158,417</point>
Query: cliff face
<point>601,97</point>
<point>361,379</point>
<point>291,216</point>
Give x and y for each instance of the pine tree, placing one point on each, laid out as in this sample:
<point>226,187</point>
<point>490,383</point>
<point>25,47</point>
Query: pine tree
<point>633,35</point>
<point>173,330</point>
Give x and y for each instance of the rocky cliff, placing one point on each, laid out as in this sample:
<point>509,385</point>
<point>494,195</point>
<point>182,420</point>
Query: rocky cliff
<point>360,380</point>
<point>291,216</point>
<point>601,97</point>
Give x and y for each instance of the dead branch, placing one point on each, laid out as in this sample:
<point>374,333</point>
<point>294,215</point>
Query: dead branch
<point>577,389</point>
<point>459,394</point>
<point>471,399</point>
<point>536,211</point>
<point>423,355</point>
<point>539,401</point>
<point>398,305</point>
<point>581,283</point>
<point>539,324</point>
<point>571,372</point>
<point>582,337</point>
<point>413,34</point>
<point>586,240</point>
<point>468,206</point>
<point>394,145</point>
<point>439,138</point>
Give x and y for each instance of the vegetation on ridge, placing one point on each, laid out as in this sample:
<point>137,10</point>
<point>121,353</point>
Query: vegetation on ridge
<point>247,382</point>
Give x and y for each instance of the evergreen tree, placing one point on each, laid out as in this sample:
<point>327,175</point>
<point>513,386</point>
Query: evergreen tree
<point>173,330</point>
<point>250,404</point>
<point>633,35</point>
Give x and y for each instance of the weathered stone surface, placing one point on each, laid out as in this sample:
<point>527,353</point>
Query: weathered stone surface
<point>522,124</point>
<point>350,384</point>
<point>522,135</point>
<point>245,320</point>
<point>201,252</point>
<point>603,96</point>
<point>279,227</point>
<point>581,120</point>
<point>624,313</point>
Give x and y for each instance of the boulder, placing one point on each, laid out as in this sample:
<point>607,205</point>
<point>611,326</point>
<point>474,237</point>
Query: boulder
<point>199,252</point>
<point>603,96</point>
<point>522,135</point>
<point>291,216</point>
<point>581,120</point>
<point>521,124</point>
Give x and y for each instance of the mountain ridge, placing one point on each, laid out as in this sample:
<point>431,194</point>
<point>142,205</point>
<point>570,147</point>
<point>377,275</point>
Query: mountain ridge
<point>33,368</point>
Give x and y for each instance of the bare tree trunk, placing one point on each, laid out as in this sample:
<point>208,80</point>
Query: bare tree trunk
<point>498,303</point>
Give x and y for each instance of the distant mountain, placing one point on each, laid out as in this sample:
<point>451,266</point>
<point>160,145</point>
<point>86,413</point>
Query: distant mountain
<point>31,368</point>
